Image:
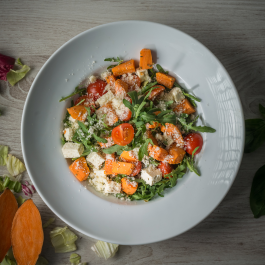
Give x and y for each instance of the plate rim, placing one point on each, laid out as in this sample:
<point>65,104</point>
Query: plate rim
<point>29,95</point>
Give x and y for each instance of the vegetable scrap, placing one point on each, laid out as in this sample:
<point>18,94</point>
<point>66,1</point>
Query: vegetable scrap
<point>12,70</point>
<point>105,250</point>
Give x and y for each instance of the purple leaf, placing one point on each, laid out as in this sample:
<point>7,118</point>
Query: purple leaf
<point>6,63</point>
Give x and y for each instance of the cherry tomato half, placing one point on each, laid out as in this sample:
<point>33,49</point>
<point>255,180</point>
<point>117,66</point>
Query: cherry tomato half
<point>193,140</point>
<point>137,169</point>
<point>97,89</point>
<point>123,134</point>
<point>87,103</point>
<point>165,168</point>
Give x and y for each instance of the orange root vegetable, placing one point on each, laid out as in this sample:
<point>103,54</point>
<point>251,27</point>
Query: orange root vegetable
<point>173,131</point>
<point>111,117</point>
<point>166,80</point>
<point>121,88</point>
<point>176,154</point>
<point>78,112</point>
<point>80,169</point>
<point>128,156</point>
<point>8,208</point>
<point>27,234</point>
<point>122,168</point>
<point>152,126</point>
<point>145,59</point>
<point>150,136</point>
<point>158,153</point>
<point>111,79</point>
<point>185,107</point>
<point>128,187</point>
<point>157,112</point>
<point>110,158</point>
<point>159,89</point>
<point>133,81</point>
<point>124,68</point>
<point>108,144</point>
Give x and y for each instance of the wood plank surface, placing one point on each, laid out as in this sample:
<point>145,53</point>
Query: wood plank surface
<point>234,30</point>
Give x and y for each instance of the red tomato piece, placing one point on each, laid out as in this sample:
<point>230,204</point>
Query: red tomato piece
<point>165,168</point>
<point>97,89</point>
<point>87,103</point>
<point>123,134</point>
<point>137,169</point>
<point>193,140</point>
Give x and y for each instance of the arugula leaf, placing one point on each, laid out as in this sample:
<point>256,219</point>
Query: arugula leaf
<point>189,126</point>
<point>77,91</point>
<point>152,73</point>
<point>99,139</point>
<point>143,149</point>
<point>257,194</point>
<point>118,60</point>
<point>190,162</point>
<point>147,87</point>
<point>160,69</point>
<point>113,149</point>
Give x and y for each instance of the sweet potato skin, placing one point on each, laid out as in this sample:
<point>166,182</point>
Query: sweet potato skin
<point>27,234</point>
<point>8,208</point>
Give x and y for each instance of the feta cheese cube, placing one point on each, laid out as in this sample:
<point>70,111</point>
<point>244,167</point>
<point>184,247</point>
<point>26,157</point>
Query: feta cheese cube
<point>120,109</point>
<point>72,150</point>
<point>151,175</point>
<point>68,134</point>
<point>98,181</point>
<point>106,98</point>
<point>99,172</point>
<point>74,123</point>
<point>95,159</point>
<point>92,79</point>
<point>112,187</point>
<point>174,94</point>
<point>143,75</point>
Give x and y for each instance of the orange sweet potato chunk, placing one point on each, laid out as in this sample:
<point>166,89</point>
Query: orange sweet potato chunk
<point>185,107</point>
<point>165,80</point>
<point>80,169</point>
<point>78,112</point>
<point>122,168</point>
<point>146,61</point>
<point>27,234</point>
<point>124,68</point>
<point>8,208</point>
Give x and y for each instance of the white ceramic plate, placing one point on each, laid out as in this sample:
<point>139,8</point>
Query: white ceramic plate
<point>107,218</point>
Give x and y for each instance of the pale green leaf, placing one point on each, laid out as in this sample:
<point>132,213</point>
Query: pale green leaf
<point>13,76</point>
<point>14,165</point>
<point>3,154</point>
<point>50,221</point>
<point>105,250</point>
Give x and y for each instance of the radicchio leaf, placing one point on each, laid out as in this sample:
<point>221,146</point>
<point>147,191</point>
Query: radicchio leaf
<point>6,63</point>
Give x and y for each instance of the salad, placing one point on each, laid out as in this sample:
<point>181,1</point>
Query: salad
<point>131,132</point>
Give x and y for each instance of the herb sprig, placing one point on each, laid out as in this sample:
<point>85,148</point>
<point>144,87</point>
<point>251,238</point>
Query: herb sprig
<point>160,69</point>
<point>80,91</point>
<point>117,60</point>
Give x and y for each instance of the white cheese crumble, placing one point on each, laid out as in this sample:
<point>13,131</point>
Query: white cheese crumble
<point>104,75</point>
<point>174,94</point>
<point>151,175</point>
<point>165,139</point>
<point>68,134</point>
<point>106,98</point>
<point>74,123</point>
<point>143,75</point>
<point>72,150</point>
<point>112,187</point>
<point>95,159</point>
<point>92,79</point>
<point>98,181</point>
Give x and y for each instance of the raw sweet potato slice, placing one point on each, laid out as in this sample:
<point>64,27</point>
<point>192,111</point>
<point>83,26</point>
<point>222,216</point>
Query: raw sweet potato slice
<point>8,208</point>
<point>27,234</point>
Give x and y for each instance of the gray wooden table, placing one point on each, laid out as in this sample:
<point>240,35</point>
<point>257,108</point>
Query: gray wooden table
<point>233,30</point>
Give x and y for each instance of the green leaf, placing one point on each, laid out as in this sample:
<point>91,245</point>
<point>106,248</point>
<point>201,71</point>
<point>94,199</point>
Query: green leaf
<point>129,106</point>
<point>255,134</point>
<point>113,149</point>
<point>147,87</point>
<point>13,76</point>
<point>3,154</point>
<point>105,250</point>
<point>118,60</point>
<point>75,259</point>
<point>50,221</point>
<point>77,91</point>
<point>20,200</point>
<point>160,69</point>
<point>63,240</point>
<point>143,149</point>
<point>152,73</point>
<point>133,95</point>
<point>99,139</point>
<point>262,110</point>
<point>257,194</point>
<point>14,165</point>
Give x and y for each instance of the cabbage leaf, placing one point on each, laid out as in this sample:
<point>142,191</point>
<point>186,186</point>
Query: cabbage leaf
<point>14,165</point>
<point>105,250</point>
<point>3,154</point>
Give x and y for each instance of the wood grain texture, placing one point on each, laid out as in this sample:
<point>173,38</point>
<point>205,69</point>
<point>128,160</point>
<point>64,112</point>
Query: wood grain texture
<point>234,30</point>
